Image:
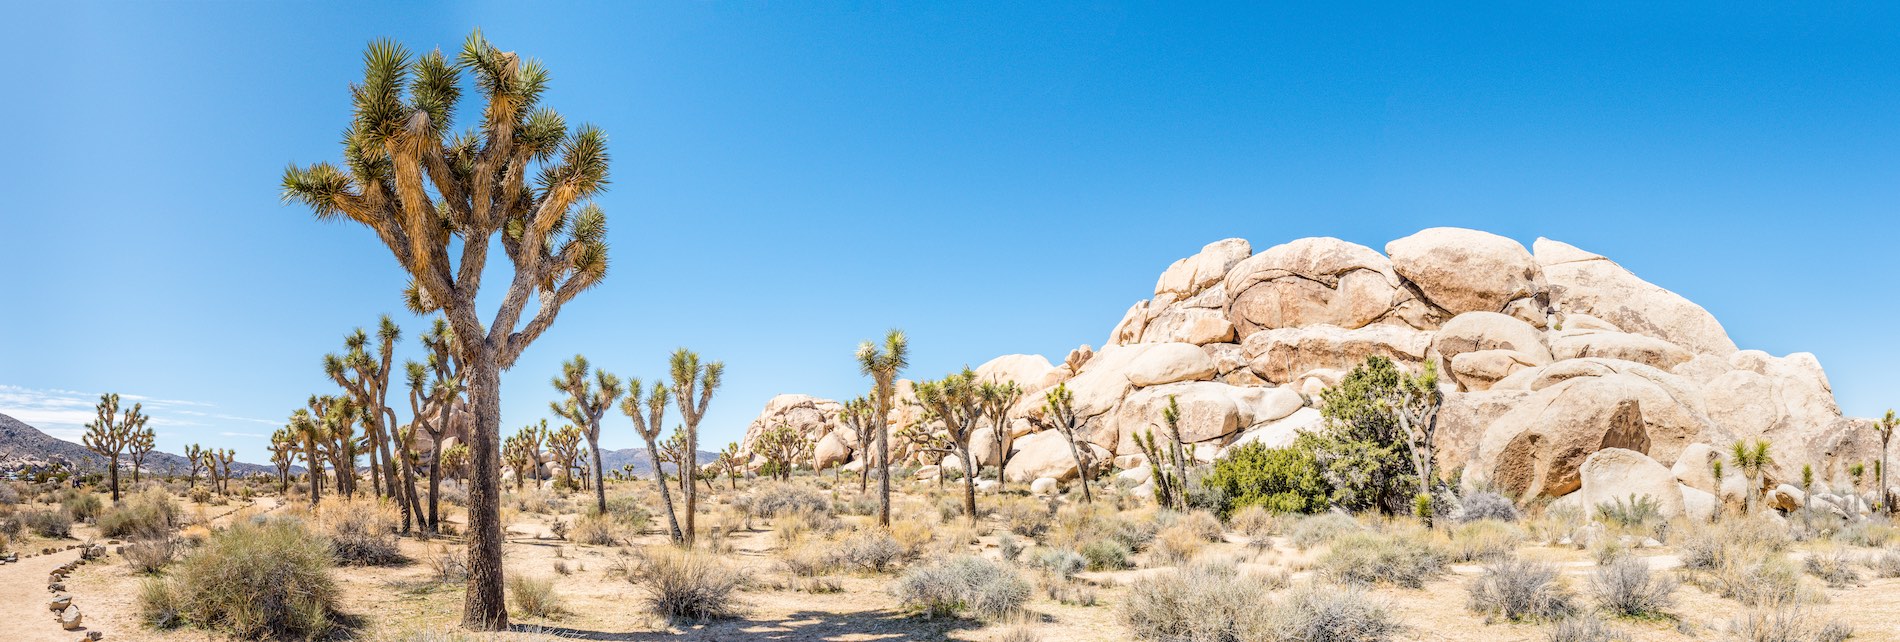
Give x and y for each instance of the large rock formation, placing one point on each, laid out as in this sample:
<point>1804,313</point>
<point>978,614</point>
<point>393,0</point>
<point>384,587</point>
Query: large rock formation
<point>1564,372</point>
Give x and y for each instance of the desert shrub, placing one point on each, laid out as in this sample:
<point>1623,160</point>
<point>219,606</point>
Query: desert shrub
<point>779,499</point>
<point>1555,524</point>
<point>1835,568</point>
<point>1019,632</point>
<point>595,530</point>
<point>1754,581</point>
<point>1585,627</point>
<point>1009,547</point>
<point>912,537</point>
<point>48,523</point>
<point>1639,513</point>
<point>1520,590</point>
<point>1754,533</point>
<point>12,525</point>
<point>1280,480</point>
<point>1320,529</point>
<point>81,504</point>
<point>984,588</point>
<point>149,514</point>
<point>1485,505</point>
<point>1870,533</point>
<point>4,543</point>
<point>361,533</point>
<point>1254,521</point>
<point>1786,624</point>
<point>151,555</point>
<point>199,494</point>
<point>869,551</point>
<point>1885,563</point>
<point>257,579</point>
<point>9,494</point>
<point>1702,550</point>
<point>1060,563</point>
<point>1626,587</point>
<point>1025,517</point>
<point>809,559</point>
<point>1484,540</point>
<point>1372,558</point>
<point>1177,544</point>
<point>1311,613</point>
<point>1201,523</point>
<point>1105,555</point>
<point>532,596</point>
<point>449,564</point>
<point>1198,602</point>
<point>681,584</point>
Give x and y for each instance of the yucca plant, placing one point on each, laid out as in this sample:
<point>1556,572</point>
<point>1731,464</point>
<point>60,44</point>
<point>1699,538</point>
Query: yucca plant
<point>883,364</point>
<point>1752,460</point>
<point>1884,428</point>
<point>427,190</point>
<point>649,426</point>
<point>1058,413</point>
<point>111,433</point>
<point>1167,460</point>
<point>587,401</point>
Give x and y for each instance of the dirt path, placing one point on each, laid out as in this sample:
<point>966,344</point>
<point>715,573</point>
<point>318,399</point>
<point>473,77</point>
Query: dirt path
<point>23,598</point>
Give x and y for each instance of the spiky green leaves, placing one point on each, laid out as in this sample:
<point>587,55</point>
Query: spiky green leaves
<point>321,187</point>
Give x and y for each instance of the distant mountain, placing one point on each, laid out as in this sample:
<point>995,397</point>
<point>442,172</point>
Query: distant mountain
<point>612,460</point>
<point>22,445</point>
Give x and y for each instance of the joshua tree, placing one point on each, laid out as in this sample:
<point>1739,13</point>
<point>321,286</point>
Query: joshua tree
<point>957,401</point>
<point>225,457</point>
<point>209,459</point>
<point>998,398</point>
<point>933,444</point>
<point>1058,413</point>
<point>860,415</point>
<point>1414,405</point>
<point>110,433</point>
<point>283,450</point>
<point>143,441</point>
<point>428,191</point>
<point>1856,473</point>
<point>1752,461</point>
<point>565,445</point>
<point>309,432</point>
<point>649,427</point>
<point>455,462</point>
<point>338,416</point>
<point>883,365</point>
<point>1885,428</point>
<point>673,451</point>
<point>519,455</point>
<point>437,402</point>
<point>193,459</point>
<point>1167,460</point>
<point>689,377</point>
<point>365,378</point>
<point>586,402</point>
<point>782,448</point>
<point>731,463</point>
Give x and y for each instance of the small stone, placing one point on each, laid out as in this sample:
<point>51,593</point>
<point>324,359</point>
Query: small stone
<point>56,587</point>
<point>70,618</point>
<point>95,636</point>
<point>59,603</point>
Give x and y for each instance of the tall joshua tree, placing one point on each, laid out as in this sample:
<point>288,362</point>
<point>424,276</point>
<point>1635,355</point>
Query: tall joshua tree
<point>998,398</point>
<point>1885,428</point>
<point>882,364</point>
<point>111,432</point>
<point>431,406</point>
<point>649,427</point>
<point>587,401</point>
<point>689,376</point>
<point>957,401</point>
<point>519,455</point>
<point>283,450</point>
<point>225,457</point>
<point>1058,412</point>
<point>194,458</point>
<point>143,441</point>
<point>365,378</point>
<point>310,437</point>
<point>428,191</point>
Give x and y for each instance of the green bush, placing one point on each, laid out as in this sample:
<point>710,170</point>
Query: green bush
<point>1281,480</point>
<point>80,504</point>
<point>149,514</point>
<point>48,523</point>
<point>1359,451</point>
<point>1105,555</point>
<point>253,580</point>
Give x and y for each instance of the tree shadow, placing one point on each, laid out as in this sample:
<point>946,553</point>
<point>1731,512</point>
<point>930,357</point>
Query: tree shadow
<point>883,625</point>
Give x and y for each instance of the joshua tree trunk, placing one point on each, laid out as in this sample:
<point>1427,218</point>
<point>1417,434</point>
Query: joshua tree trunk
<point>666,497</point>
<point>600,490</point>
<point>115,479</point>
<point>969,483</point>
<point>1081,469</point>
<point>483,608</point>
<point>883,457</point>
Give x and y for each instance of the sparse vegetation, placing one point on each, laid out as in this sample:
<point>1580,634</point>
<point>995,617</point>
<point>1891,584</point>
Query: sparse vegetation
<point>253,580</point>
<point>1626,587</point>
<point>1398,559</point>
<point>1520,590</point>
<point>684,584</point>
<point>964,584</point>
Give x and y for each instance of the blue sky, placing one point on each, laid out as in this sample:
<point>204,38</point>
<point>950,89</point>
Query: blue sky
<point>792,178</point>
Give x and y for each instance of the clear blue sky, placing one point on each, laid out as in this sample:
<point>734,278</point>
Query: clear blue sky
<point>792,178</point>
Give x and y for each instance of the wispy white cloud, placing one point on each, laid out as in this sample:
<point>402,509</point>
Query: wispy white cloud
<point>64,413</point>
<point>242,434</point>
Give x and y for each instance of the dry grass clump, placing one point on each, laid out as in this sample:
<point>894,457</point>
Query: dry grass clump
<point>596,530</point>
<point>682,584</point>
<point>254,580</point>
<point>1584,627</point>
<point>81,504</point>
<point>1485,540</point>
<point>912,537</point>
<point>533,596</point>
<point>1520,590</point>
<point>361,532</point>
<point>1398,559</point>
<point>1886,563</point>
<point>147,555</point>
<point>48,523</point>
<point>1024,516</point>
<point>1201,523</point>
<point>1312,613</point>
<point>1177,544</point>
<point>449,564</point>
<point>1207,601</point>
<point>1557,524</point>
<point>1320,529</point>
<point>964,584</point>
<point>1873,532</point>
<point>149,514</point>
<point>1786,624</point>
<point>1835,567</point>
<point>779,499</point>
<point>1627,588</point>
<point>1485,505</point>
<point>868,551</point>
<point>1255,521</point>
<point>1106,555</point>
<point>1058,563</point>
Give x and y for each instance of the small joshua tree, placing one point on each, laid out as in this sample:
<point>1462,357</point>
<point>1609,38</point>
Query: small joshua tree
<point>110,433</point>
<point>930,443</point>
<point>1885,429</point>
<point>957,401</point>
<point>283,451</point>
<point>1058,413</point>
<point>883,364</point>
<point>648,421</point>
<point>519,455</point>
<point>194,460</point>
<point>860,415</point>
<point>689,376</point>
<point>1752,461</point>
<point>434,388</point>
<point>732,463</point>
<point>998,398</point>
<point>782,447</point>
<point>565,445</point>
<point>1414,406</point>
<point>673,451</point>
<point>587,401</point>
<point>225,457</point>
<point>1167,457</point>
<point>143,441</point>
<point>309,434</point>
